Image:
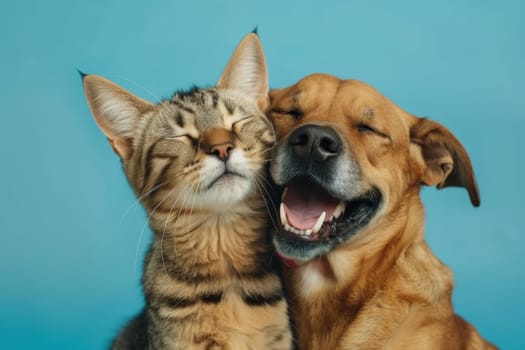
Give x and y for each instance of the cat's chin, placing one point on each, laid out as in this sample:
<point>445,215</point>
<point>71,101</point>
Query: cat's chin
<point>229,189</point>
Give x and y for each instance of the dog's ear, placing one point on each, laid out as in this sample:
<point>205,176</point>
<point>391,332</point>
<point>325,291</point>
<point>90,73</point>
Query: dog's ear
<point>446,161</point>
<point>116,112</point>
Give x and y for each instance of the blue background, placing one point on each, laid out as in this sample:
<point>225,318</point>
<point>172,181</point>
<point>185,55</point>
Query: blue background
<point>73,237</point>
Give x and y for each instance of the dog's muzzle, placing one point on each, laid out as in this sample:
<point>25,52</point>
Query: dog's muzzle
<point>321,204</point>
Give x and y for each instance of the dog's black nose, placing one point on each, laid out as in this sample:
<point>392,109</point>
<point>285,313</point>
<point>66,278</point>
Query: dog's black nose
<point>315,142</point>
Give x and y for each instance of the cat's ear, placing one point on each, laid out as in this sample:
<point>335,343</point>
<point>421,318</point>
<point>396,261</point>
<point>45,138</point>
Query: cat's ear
<point>247,72</point>
<point>116,111</point>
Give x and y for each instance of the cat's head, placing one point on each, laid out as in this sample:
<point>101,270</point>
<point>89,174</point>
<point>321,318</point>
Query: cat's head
<point>202,149</point>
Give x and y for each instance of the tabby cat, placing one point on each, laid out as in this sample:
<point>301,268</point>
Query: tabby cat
<point>197,163</point>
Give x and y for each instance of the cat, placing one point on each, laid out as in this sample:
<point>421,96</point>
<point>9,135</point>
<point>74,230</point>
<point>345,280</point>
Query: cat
<point>197,162</point>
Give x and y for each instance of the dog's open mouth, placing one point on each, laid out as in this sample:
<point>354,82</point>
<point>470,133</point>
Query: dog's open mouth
<point>309,213</point>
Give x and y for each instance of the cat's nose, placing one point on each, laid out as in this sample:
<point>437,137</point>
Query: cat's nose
<point>222,151</point>
<point>218,142</point>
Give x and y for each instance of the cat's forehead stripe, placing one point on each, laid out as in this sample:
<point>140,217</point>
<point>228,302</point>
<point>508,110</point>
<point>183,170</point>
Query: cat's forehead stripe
<point>244,111</point>
<point>179,119</point>
<point>182,106</point>
<point>207,108</point>
<point>230,108</point>
<point>215,98</point>
<point>227,114</point>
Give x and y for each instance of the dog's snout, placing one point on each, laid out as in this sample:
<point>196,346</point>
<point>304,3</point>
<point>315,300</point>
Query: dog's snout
<point>315,142</point>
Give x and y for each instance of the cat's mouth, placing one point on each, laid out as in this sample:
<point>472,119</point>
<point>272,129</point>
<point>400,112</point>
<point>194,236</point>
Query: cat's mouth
<point>227,177</point>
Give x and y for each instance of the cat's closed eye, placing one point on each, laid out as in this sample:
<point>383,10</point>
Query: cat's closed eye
<point>194,142</point>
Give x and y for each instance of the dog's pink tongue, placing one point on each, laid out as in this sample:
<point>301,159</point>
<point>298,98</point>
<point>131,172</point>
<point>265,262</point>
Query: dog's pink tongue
<point>304,202</point>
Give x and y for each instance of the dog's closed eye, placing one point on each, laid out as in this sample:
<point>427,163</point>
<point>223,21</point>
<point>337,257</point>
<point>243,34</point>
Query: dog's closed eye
<point>366,128</point>
<point>294,113</point>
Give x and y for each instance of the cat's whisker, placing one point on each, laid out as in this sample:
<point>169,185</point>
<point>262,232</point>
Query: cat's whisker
<point>186,193</point>
<point>178,214</point>
<point>137,201</point>
<point>265,180</point>
<point>265,184</point>
<point>266,197</point>
<point>264,200</point>
<point>189,215</point>
<point>191,207</point>
<point>182,192</point>
<point>146,223</point>
<point>149,92</point>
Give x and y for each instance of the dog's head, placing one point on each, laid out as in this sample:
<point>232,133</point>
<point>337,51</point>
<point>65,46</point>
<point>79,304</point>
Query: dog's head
<point>347,157</point>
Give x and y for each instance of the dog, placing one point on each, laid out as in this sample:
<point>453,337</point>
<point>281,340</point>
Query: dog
<point>358,271</point>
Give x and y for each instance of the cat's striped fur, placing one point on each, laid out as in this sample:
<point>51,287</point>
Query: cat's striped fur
<point>197,162</point>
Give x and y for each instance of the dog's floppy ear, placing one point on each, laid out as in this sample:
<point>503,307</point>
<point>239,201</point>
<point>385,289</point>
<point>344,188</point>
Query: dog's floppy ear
<point>446,161</point>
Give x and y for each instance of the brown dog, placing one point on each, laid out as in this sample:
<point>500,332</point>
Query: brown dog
<point>359,273</point>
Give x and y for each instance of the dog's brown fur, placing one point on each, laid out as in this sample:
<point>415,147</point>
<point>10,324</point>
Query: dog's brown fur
<point>383,288</point>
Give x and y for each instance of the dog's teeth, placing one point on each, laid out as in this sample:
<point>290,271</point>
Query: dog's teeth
<point>297,231</point>
<point>339,209</point>
<point>284,193</point>
<point>282,213</point>
<point>319,223</point>
<point>287,227</point>
<point>294,230</point>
